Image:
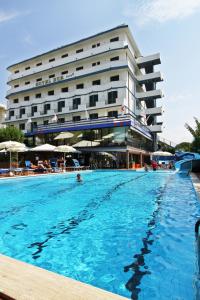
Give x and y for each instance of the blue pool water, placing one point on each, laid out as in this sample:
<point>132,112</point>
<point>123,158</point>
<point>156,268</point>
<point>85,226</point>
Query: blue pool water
<point>131,233</point>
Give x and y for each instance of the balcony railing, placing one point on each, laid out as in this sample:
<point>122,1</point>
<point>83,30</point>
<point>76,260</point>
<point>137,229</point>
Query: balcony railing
<point>69,59</point>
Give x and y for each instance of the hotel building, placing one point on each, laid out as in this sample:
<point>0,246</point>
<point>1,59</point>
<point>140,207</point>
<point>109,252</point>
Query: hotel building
<point>99,88</point>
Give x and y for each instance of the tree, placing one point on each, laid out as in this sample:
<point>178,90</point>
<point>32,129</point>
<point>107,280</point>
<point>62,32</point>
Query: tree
<point>11,133</point>
<point>184,146</point>
<point>195,145</point>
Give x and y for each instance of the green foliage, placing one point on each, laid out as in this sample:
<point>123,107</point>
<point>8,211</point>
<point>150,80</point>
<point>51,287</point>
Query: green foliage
<point>184,146</point>
<point>195,145</point>
<point>11,134</point>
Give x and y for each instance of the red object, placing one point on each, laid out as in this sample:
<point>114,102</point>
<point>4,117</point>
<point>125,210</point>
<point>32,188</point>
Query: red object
<point>154,164</point>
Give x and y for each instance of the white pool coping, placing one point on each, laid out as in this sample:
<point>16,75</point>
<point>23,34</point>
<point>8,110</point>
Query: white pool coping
<point>22,281</point>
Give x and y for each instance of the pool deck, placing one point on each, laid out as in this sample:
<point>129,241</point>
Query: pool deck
<point>22,281</point>
<point>196,183</point>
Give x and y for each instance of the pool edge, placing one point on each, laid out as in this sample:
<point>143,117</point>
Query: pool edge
<point>22,281</point>
<point>196,184</point>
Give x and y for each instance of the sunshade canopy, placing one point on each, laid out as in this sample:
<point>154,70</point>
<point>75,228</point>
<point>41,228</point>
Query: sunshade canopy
<point>66,149</point>
<point>85,143</point>
<point>45,147</point>
<point>162,153</point>
<point>64,135</point>
<point>11,144</point>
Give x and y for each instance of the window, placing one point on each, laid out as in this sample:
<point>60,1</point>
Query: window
<point>17,71</point>
<point>46,122</point>
<point>96,82</point>
<point>39,95</point>
<point>64,55</point>
<point>16,85</point>
<point>47,107</point>
<point>76,103</point>
<point>79,50</point>
<point>61,104</point>
<point>114,78</point>
<point>95,45</point>
<point>76,118</point>
<point>114,58</point>
<point>80,86</point>
<point>95,63</point>
<point>16,100</point>
<point>112,114</point>
<point>22,112</point>
<point>26,98</point>
<point>39,79</point>
<point>33,110</point>
<point>22,126</point>
<point>64,72</point>
<point>38,64</point>
<point>52,59</point>
<point>50,93</point>
<point>93,116</point>
<point>61,120</point>
<point>11,113</point>
<point>112,96</point>
<point>27,82</point>
<point>27,68</point>
<point>93,100</point>
<point>114,39</point>
<point>64,89</point>
<point>79,68</point>
<point>52,76</point>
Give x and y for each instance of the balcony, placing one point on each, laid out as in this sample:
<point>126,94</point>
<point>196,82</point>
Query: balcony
<point>74,76</point>
<point>155,128</point>
<point>150,77</point>
<point>155,111</point>
<point>145,61</point>
<point>70,59</point>
<point>149,95</point>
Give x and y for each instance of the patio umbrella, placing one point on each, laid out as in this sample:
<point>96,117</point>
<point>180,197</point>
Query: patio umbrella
<point>85,143</point>
<point>64,135</point>
<point>161,153</point>
<point>45,147</point>
<point>108,154</point>
<point>66,149</point>
<point>108,136</point>
<point>17,150</point>
<point>9,145</point>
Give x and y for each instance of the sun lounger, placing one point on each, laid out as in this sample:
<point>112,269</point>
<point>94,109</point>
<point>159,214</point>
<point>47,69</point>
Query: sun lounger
<point>77,166</point>
<point>54,165</point>
<point>4,172</point>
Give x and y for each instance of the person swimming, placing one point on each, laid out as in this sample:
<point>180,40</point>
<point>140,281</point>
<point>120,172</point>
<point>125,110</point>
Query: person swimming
<point>78,178</point>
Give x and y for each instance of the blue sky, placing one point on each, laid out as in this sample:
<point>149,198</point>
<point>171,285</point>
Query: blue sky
<point>171,27</point>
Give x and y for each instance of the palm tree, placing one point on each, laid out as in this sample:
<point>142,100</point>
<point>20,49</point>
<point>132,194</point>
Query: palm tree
<point>195,145</point>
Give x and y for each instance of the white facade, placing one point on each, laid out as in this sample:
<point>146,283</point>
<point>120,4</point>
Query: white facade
<point>2,115</point>
<point>101,76</point>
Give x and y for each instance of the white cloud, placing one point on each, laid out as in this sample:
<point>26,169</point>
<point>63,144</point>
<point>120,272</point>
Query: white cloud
<point>28,39</point>
<point>161,10</point>
<point>7,16</point>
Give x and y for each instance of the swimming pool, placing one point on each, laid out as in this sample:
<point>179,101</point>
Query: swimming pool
<point>131,233</point>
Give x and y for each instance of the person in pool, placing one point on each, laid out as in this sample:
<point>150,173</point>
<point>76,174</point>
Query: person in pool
<point>78,178</point>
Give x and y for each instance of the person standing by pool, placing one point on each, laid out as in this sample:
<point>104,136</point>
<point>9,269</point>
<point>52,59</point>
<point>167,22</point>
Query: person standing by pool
<point>154,165</point>
<point>146,167</point>
<point>78,178</point>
